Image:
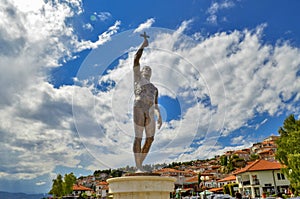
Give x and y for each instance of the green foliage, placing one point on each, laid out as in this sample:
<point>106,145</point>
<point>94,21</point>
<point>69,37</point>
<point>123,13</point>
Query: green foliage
<point>116,173</point>
<point>229,188</point>
<point>98,172</point>
<point>174,164</point>
<point>223,160</point>
<point>69,181</point>
<point>226,189</point>
<point>254,156</point>
<point>230,166</point>
<point>57,187</point>
<point>61,187</point>
<point>288,150</point>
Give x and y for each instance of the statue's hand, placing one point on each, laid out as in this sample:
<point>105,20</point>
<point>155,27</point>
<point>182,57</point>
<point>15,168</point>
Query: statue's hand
<point>145,43</point>
<point>159,122</point>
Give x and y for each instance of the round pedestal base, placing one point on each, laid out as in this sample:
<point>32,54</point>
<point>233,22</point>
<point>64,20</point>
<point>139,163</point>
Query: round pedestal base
<point>141,187</point>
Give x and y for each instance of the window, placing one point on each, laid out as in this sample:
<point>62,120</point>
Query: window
<point>268,185</point>
<point>280,176</point>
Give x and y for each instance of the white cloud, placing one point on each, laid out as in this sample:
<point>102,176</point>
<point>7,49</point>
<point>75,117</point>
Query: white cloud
<point>260,124</point>
<point>237,140</point>
<point>145,25</point>
<point>40,183</point>
<point>215,8</point>
<point>104,37</point>
<point>37,125</point>
<point>103,16</point>
<point>88,26</point>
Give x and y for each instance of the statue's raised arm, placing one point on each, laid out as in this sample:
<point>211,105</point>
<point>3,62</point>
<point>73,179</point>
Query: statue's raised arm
<point>139,53</point>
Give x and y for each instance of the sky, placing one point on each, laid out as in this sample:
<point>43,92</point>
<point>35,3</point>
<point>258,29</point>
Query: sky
<point>227,73</point>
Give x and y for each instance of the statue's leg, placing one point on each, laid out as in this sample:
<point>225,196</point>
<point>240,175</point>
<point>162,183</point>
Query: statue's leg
<point>137,152</point>
<point>139,121</point>
<point>150,131</point>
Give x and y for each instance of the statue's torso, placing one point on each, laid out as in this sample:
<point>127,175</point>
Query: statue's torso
<point>144,93</point>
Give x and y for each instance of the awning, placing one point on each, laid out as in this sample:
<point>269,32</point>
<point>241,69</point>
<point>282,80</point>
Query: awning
<point>218,189</point>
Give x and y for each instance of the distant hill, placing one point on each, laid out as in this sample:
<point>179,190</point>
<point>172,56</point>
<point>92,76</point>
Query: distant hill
<point>6,195</point>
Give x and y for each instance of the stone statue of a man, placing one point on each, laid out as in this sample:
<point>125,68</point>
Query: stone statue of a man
<point>144,109</point>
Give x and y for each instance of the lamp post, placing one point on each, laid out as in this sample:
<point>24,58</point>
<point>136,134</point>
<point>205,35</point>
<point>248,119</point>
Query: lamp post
<point>204,178</point>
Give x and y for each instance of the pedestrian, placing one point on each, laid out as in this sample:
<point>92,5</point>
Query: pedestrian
<point>238,195</point>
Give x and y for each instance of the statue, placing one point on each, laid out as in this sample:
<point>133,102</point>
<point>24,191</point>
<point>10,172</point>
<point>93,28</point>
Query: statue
<point>145,107</point>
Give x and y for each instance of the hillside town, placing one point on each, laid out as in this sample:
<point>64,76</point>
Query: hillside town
<point>253,171</point>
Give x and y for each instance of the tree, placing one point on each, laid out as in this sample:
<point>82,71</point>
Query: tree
<point>57,187</point>
<point>288,150</point>
<point>69,181</point>
<point>224,160</point>
<point>116,173</point>
<point>61,187</point>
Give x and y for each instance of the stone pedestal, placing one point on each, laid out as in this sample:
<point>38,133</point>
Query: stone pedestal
<point>141,187</point>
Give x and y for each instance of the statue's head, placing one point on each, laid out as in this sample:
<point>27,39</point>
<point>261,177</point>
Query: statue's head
<point>146,72</point>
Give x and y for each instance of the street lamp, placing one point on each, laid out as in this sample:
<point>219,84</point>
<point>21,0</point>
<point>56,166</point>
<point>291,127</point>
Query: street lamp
<point>204,178</point>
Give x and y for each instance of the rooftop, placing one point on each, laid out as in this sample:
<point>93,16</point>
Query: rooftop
<point>260,165</point>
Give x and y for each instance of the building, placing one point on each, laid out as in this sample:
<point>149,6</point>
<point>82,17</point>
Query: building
<point>102,189</point>
<point>227,180</point>
<point>178,174</point>
<point>267,154</point>
<point>261,176</point>
<point>191,184</point>
<point>266,149</point>
<point>80,189</point>
<point>243,154</point>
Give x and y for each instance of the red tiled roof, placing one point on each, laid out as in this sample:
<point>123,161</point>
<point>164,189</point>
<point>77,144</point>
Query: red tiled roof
<point>192,179</point>
<point>102,183</point>
<point>169,170</point>
<point>77,187</point>
<point>265,151</point>
<point>215,189</point>
<point>260,165</point>
<point>241,152</point>
<point>105,187</point>
<point>228,178</point>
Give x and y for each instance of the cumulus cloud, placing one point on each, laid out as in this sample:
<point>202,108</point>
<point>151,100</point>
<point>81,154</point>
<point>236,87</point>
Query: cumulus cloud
<point>145,25</point>
<point>37,125</point>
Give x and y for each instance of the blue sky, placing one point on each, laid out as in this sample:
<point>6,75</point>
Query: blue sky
<point>227,73</point>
